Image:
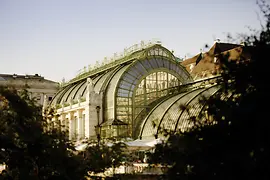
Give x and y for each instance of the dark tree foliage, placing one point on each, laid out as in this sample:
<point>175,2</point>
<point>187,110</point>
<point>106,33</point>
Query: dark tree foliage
<point>27,148</point>
<point>31,148</point>
<point>98,158</point>
<point>236,144</point>
<point>118,154</point>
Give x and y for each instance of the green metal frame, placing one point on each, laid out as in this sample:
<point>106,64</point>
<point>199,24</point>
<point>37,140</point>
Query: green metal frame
<point>201,91</point>
<point>143,62</point>
<point>154,58</point>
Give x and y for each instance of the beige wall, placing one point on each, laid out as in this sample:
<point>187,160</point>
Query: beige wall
<point>38,87</point>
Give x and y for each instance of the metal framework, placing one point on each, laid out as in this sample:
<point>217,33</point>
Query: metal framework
<point>130,85</point>
<point>168,114</point>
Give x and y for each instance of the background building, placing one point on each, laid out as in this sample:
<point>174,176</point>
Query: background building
<point>207,64</point>
<point>39,88</point>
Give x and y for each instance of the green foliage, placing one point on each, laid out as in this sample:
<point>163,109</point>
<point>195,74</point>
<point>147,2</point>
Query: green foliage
<point>66,104</point>
<point>235,144</point>
<point>28,148</point>
<point>33,147</point>
<point>118,153</point>
<point>103,156</point>
<point>83,99</point>
<point>98,154</point>
<point>58,106</point>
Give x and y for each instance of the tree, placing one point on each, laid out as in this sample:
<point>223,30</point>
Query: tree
<point>33,149</point>
<point>100,157</point>
<point>118,153</point>
<point>30,150</point>
<point>235,143</point>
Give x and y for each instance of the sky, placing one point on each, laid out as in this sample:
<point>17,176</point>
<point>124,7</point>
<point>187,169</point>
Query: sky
<point>56,38</point>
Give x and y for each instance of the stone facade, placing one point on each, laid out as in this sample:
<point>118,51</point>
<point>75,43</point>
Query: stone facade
<point>39,88</point>
<point>82,117</point>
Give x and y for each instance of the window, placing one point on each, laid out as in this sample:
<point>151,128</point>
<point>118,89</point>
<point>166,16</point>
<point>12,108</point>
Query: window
<point>50,98</point>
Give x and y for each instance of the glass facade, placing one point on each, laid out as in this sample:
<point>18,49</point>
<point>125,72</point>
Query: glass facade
<point>169,115</point>
<point>151,88</point>
<point>142,84</point>
<point>110,99</point>
<point>154,59</point>
<point>130,88</point>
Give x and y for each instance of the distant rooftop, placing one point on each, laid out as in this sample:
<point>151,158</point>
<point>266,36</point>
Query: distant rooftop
<point>8,77</point>
<point>205,64</point>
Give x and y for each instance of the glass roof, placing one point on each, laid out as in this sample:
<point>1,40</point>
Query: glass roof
<point>77,90</point>
<point>169,115</point>
<point>149,58</point>
<point>132,85</point>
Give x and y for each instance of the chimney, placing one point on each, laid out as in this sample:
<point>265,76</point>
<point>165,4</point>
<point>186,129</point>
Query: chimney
<point>217,40</point>
<point>243,43</point>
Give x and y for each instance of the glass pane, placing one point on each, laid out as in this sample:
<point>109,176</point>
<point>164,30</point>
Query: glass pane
<point>156,51</point>
<point>132,87</point>
<point>99,81</point>
<point>76,89</point>
<point>122,93</point>
<point>129,78</point>
<point>161,52</point>
<point>159,62</point>
<point>125,85</point>
<point>153,63</point>
<point>166,64</point>
<point>151,52</point>
<point>122,101</point>
<point>70,93</point>
<point>140,69</point>
<point>134,72</point>
<point>146,64</point>
<point>153,87</point>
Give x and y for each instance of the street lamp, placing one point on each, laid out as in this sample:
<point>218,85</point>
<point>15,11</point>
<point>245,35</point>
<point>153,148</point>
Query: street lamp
<point>98,127</point>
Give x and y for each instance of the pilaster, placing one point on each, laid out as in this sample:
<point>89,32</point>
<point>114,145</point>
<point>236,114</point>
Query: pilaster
<point>93,100</point>
<point>80,125</point>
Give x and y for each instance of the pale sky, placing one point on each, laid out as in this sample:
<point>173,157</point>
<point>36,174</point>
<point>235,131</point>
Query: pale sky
<point>56,38</point>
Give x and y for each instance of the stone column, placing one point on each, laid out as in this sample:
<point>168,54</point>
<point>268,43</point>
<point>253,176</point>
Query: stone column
<point>80,125</point>
<point>75,126</point>
<point>90,121</point>
<point>93,100</point>
<point>70,120</point>
<point>62,122</point>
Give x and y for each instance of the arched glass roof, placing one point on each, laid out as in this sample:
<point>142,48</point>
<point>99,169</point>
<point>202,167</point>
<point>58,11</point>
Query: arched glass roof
<point>156,64</point>
<point>140,62</point>
<point>74,91</point>
<point>154,68</point>
<point>110,91</point>
<point>169,115</point>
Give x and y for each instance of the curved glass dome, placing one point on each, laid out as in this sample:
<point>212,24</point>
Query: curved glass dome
<point>144,82</point>
<point>169,115</point>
